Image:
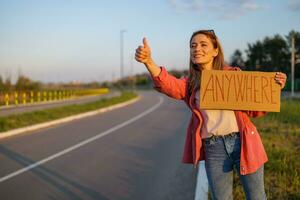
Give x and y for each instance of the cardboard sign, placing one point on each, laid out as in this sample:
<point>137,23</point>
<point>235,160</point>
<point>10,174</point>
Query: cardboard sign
<point>239,90</point>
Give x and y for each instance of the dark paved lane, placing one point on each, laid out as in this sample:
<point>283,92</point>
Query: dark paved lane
<point>139,161</point>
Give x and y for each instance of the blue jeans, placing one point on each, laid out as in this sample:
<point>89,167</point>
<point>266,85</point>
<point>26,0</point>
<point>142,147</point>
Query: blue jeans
<point>222,154</point>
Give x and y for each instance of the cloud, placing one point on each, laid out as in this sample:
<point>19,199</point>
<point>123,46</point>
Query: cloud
<point>251,6</point>
<point>223,8</point>
<point>294,5</point>
<point>185,5</point>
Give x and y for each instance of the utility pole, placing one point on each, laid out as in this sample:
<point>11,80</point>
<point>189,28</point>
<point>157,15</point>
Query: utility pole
<point>293,64</point>
<point>122,53</point>
<point>131,74</point>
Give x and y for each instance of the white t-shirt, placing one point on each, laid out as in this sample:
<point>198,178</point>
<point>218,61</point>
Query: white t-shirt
<point>217,122</point>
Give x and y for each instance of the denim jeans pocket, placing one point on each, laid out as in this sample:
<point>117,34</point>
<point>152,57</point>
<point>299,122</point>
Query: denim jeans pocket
<point>214,150</point>
<point>212,141</point>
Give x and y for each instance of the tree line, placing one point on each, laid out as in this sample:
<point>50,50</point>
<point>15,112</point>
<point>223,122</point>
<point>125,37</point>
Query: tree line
<point>24,83</point>
<point>269,54</point>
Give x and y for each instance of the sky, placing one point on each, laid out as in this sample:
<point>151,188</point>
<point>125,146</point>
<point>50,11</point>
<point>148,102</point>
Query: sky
<point>79,40</point>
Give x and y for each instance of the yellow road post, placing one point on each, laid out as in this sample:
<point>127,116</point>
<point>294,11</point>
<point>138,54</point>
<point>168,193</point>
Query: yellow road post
<point>24,98</point>
<point>16,99</point>
<point>6,99</point>
<point>44,96</point>
<point>39,97</point>
<point>31,97</point>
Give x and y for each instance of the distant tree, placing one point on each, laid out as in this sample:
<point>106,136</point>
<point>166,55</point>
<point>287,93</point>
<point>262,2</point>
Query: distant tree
<point>93,84</point>
<point>24,83</point>
<point>8,85</point>
<point>1,84</point>
<point>142,79</point>
<point>277,55</point>
<point>272,54</point>
<point>255,56</point>
<point>237,59</point>
<point>35,85</point>
<point>105,84</point>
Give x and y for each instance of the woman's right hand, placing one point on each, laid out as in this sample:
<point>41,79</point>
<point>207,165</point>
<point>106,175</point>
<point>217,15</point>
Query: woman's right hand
<point>143,53</point>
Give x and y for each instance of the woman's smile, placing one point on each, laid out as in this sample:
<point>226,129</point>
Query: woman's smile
<point>198,55</point>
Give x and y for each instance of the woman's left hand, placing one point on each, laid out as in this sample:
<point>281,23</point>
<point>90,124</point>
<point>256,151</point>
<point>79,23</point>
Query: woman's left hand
<point>280,78</point>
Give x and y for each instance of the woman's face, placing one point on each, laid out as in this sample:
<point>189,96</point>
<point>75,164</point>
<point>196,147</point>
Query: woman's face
<point>202,51</point>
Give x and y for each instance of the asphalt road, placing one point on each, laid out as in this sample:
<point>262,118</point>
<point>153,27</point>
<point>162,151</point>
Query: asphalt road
<point>135,155</point>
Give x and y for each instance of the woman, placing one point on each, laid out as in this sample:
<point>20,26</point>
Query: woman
<point>223,138</point>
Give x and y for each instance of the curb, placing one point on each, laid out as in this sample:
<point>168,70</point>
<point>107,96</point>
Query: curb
<point>66,119</point>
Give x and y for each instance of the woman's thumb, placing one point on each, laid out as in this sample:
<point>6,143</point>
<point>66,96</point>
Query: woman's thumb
<point>145,42</point>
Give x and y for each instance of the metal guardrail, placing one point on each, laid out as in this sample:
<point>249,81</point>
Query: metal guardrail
<point>23,97</point>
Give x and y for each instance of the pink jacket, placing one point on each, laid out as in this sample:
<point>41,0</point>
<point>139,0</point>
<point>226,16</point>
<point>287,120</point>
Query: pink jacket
<point>253,154</point>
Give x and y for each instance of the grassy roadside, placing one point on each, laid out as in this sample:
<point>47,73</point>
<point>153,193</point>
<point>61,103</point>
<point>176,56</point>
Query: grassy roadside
<point>280,133</point>
<point>26,119</point>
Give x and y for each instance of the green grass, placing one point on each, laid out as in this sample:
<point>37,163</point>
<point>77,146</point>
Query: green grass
<point>26,119</point>
<point>280,133</point>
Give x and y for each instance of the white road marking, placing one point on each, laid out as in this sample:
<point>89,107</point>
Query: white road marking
<point>72,148</point>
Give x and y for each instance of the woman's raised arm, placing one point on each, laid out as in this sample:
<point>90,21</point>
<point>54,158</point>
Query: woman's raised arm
<point>163,81</point>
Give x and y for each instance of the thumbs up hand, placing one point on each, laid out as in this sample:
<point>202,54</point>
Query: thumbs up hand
<point>143,53</point>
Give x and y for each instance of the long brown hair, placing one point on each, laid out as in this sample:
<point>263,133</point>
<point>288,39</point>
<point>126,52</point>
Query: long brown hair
<point>218,63</point>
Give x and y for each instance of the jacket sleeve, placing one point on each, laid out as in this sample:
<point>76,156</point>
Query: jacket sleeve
<point>170,85</point>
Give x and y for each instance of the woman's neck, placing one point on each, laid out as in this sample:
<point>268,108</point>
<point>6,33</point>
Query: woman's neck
<point>207,66</point>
